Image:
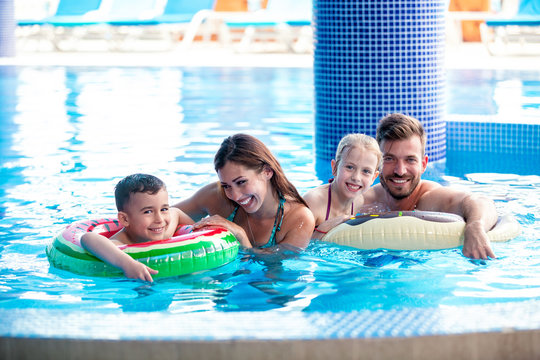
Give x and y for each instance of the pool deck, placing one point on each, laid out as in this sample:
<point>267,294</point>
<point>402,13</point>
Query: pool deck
<point>460,56</point>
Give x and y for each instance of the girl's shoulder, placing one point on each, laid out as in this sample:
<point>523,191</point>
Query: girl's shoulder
<point>317,200</point>
<point>317,195</point>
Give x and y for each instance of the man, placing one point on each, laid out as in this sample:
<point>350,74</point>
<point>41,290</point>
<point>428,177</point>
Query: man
<point>402,141</point>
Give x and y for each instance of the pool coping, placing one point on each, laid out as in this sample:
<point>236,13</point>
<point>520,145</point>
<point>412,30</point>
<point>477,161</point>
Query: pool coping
<point>492,346</point>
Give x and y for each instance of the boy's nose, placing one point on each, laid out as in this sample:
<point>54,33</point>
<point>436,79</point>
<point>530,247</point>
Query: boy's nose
<point>158,217</point>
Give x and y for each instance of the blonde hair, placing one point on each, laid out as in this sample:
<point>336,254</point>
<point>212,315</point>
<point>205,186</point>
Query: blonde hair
<point>358,140</point>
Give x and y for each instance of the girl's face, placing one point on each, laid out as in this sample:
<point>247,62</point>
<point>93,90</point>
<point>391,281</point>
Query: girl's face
<point>247,187</point>
<point>356,171</point>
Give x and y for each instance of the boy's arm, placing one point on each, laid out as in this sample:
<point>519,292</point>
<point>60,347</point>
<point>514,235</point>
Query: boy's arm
<point>107,251</point>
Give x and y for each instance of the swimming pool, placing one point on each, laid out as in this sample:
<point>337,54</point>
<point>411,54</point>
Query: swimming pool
<point>70,133</point>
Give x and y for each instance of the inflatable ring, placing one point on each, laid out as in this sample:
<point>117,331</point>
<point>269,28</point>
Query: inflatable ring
<point>185,253</point>
<point>413,230</point>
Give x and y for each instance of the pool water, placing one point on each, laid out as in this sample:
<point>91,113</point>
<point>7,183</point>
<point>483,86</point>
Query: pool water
<point>70,133</point>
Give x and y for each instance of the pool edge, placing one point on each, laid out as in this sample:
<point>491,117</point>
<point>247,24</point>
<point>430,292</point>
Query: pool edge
<point>523,344</point>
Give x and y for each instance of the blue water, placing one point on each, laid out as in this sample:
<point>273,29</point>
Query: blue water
<point>69,134</point>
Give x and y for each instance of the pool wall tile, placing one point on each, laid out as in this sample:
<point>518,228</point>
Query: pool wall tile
<point>373,58</point>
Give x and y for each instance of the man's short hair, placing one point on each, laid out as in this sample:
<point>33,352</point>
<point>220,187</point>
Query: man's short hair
<point>400,127</point>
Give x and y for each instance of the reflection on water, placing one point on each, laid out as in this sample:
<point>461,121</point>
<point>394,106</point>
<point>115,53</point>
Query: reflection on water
<point>69,134</point>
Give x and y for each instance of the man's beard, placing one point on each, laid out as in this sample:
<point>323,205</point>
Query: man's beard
<point>398,196</point>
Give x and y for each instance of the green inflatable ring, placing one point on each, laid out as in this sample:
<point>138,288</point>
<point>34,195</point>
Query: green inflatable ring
<point>185,253</point>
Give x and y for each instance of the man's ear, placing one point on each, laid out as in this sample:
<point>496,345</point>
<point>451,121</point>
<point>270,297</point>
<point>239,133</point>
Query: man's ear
<point>123,218</point>
<point>424,163</point>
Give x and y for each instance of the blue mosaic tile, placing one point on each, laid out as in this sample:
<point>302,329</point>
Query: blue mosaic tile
<point>373,58</point>
<point>493,137</point>
<point>270,325</point>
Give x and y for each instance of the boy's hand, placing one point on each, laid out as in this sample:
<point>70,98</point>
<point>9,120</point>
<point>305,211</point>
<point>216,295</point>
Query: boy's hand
<point>136,270</point>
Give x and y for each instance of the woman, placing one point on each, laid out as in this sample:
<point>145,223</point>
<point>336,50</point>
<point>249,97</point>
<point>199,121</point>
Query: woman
<point>253,198</point>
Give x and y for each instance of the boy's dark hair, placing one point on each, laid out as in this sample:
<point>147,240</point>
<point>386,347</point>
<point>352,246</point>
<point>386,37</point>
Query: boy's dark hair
<point>135,183</point>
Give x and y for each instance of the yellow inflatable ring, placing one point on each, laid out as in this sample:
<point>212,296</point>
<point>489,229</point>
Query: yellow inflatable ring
<point>413,230</point>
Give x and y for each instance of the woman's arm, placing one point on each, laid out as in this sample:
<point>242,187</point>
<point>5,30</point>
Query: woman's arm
<point>181,217</point>
<point>217,220</point>
<point>202,202</point>
<point>298,226</point>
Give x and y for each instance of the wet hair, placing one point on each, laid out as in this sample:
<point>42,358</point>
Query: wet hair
<point>136,183</point>
<point>400,127</point>
<point>250,152</point>
<point>361,141</point>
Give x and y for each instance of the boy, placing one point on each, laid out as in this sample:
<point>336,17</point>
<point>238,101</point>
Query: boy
<point>143,210</point>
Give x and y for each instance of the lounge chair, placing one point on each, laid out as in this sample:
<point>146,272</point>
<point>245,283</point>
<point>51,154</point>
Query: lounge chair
<point>177,17</point>
<point>68,13</point>
<point>280,21</point>
<point>522,28</point>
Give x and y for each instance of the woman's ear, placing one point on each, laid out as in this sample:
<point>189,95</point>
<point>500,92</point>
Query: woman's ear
<point>268,172</point>
<point>123,218</point>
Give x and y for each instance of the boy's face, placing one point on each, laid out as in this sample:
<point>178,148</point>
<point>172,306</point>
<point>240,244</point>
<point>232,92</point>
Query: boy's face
<point>146,216</point>
<point>356,171</point>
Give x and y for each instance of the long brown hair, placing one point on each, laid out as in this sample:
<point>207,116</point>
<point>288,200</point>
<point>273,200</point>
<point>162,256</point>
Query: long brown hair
<point>250,152</point>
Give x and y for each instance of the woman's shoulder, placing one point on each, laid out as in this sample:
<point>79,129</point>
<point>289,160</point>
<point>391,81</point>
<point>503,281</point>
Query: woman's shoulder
<point>295,211</point>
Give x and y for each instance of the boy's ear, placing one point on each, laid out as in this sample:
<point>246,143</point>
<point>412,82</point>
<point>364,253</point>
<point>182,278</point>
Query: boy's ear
<point>123,218</point>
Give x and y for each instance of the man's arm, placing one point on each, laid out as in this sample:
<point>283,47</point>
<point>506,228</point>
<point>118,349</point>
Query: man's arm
<point>478,211</point>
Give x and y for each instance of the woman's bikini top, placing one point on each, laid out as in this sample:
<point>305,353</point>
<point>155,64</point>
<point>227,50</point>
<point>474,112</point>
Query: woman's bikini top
<point>330,201</point>
<point>277,226</point>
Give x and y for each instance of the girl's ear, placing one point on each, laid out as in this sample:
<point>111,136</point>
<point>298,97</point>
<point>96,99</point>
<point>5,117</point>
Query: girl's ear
<point>333,164</point>
<point>123,218</point>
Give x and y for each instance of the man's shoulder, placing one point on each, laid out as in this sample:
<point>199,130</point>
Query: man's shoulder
<point>374,192</point>
<point>428,185</point>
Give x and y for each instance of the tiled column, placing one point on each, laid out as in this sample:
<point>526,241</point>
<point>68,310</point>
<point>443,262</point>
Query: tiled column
<point>7,28</point>
<point>375,57</point>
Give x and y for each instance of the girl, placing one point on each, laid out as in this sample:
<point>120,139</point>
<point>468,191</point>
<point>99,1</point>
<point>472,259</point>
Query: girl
<point>354,169</point>
<point>253,198</point>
